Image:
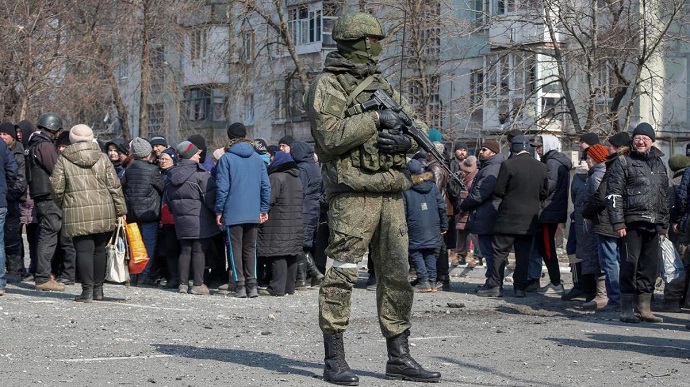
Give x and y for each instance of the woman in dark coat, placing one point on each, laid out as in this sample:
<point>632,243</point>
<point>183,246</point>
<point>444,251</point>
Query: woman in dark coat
<point>281,237</point>
<point>191,196</point>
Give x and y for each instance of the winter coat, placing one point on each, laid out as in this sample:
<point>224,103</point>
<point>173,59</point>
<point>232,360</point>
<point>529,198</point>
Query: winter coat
<point>595,208</point>
<point>40,161</point>
<point>637,190</point>
<point>587,241</point>
<point>282,234</point>
<point>312,185</point>
<point>441,179</point>
<point>681,201</point>
<point>555,207</point>
<point>142,185</point>
<point>17,191</point>
<point>87,189</point>
<point>244,191</point>
<point>190,193</point>
<point>481,202</point>
<point>8,173</point>
<point>522,184</point>
<point>461,218</point>
<point>425,211</point>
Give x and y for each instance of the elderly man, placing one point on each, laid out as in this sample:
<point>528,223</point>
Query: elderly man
<point>637,202</point>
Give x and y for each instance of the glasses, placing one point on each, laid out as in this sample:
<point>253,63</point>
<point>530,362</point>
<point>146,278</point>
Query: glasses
<point>644,139</point>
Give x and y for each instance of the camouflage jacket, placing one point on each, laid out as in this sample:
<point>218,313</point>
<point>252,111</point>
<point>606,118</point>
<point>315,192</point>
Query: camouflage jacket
<point>346,142</point>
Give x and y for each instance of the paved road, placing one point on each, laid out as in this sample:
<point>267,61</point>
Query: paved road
<point>161,338</point>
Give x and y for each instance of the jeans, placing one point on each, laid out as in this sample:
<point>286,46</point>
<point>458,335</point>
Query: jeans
<point>3,279</point>
<point>485,242</point>
<point>609,260</point>
<point>534,267</point>
<point>149,234</point>
<point>425,263</point>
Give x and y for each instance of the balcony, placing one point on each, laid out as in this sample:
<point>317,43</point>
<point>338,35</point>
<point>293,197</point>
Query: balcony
<point>516,30</point>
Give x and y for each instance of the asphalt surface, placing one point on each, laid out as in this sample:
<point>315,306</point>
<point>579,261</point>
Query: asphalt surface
<point>153,337</point>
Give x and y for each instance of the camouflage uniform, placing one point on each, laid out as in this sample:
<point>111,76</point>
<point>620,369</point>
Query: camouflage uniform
<point>364,189</point>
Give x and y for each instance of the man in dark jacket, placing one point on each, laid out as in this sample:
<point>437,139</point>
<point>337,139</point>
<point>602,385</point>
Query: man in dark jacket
<point>142,185</point>
<point>554,211</point>
<point>312,186</point>
<point>674,289</point>
<point>637,201</point>
<point>481,202</point>
<point>522,184</point>
<point>13,234</point>
<point>8,179</point>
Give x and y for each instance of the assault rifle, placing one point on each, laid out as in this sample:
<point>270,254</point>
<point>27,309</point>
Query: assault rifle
<point>383,100</point>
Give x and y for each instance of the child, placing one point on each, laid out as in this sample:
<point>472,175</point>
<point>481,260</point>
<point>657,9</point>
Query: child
<point>425,211</point>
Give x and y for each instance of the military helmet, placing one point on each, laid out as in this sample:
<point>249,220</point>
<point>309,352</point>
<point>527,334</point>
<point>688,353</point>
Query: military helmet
<point>49,121</point>
<point>358,25</point>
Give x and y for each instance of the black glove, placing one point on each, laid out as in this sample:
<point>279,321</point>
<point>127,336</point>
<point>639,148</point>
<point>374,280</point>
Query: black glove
<point>393,143</point>
<point>388,119</point>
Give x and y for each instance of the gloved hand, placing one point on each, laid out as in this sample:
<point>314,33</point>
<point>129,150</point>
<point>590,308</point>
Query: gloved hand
<point>393,143</point>
<point>388,119</point>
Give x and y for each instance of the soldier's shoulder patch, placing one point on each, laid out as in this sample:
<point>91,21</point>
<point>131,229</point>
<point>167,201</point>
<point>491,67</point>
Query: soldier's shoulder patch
<point>333,105</point>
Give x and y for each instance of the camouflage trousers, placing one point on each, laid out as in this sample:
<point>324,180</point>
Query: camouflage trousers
<point>359,221</point>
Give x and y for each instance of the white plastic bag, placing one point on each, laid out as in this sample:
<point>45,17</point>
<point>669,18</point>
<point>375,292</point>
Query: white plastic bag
<point>671,266</point>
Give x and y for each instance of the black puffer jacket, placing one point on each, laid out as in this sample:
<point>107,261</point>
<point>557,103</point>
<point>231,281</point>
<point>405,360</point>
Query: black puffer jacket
<point>555,207</point>
<point>142,185</point>
<point>637,190</point>
<point>312,185</point>
<point>191,195</point>
<point>282,233</point>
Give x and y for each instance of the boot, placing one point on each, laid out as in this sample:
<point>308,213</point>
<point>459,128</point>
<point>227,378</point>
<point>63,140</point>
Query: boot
<point>589,286</point>
<point>644,301</point>
<point>336,370</point>
<point>98,292</point>
<point>670,305</point>
<point>627,309</point>
<point>86,294</point>
<point>401,366</point>
<point>601,299</point>
<point>301,281</point>
<point>314,273</point>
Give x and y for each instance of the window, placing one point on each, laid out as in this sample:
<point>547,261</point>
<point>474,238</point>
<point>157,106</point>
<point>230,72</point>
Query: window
<point>435,106</point>
<point>248,46</point>
<point>476,87</point>
<point>249,110</point>
<point>331,10</point>
<point>510,74</point>
<point>155,113</point>
<point>304,25</point>
<point>157,62</point>
<point>220,104</point>
<point>279,105</point>
<point>199,43</point>
<point>198,103</point>
<point>123,67</point>
<point>604,83</point>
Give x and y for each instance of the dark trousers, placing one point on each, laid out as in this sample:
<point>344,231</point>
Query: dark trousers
<point>501,246</point>
<point>13,238</point>
<point>32,239</point>
<point>49,218</point>
<point>242,252</point>
<point>546,239</point>
<point>91,259</point>
<point>639,261</point>
<point>192,251</point>
<point>283,274</point>
<point>65,259</point>
<point>171,249</point>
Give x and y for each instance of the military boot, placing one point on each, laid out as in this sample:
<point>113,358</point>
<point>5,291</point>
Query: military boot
<point>336,370</point>
<point>644,301</point>
<point>401,366</point>
<point>628,309</point>
<point>314,273</point>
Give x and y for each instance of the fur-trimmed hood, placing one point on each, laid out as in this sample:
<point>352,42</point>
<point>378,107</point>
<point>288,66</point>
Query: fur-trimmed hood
<point>423,182</point>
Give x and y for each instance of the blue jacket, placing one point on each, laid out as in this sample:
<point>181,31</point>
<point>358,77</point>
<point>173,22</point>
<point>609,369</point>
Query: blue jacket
<point>244,190</point>
<point>8,172</point>
<point>481,202</point>
<point>425,211</point>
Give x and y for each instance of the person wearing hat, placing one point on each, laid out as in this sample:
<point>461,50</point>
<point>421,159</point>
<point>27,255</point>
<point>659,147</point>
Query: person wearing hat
<point>481,203</point>
<point>191,196</point>
<point>142,185</point>
<point>522,184</point>
<point>637,202</point>
<point>168,240</point>
<point>200,143</point>
<point>117,151</point>
<point>158,144</point>
<point>241,207</point>
<point>468,170</point>
<point>285,142</point>
<point>15,194</point>
<point>8,181</point>
<point>587,140</point>
<point>62,141</point>
<point>84,178</point>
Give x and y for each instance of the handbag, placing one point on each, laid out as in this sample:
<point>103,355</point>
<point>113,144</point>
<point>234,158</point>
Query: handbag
<point>138,256</point>
<point>116,255</point>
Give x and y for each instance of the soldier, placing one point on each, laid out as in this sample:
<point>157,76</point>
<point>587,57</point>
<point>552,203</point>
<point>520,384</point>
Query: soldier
<point>363,156</point>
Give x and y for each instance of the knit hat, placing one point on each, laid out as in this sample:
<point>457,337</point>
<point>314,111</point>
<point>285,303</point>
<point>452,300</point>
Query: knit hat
<point>415,167</point>
<point>287,140</point>
<point>186,149</point>
<point>260,146</point>
<point>119,144</point>
<point>469,165</point>
<point>519,143</point>
<point>27,128</point>
<point>590,138</point>
<point>678,162</point>
<point>492,145</point>
<point>80,133</point>
<point>598,153</point>
<point>158,140</point>
<point>459,145</point>
<point>140,148</point>
<point>646,129</point>
<point>9,128</point>
<point>620,139</point>
<point>435,135</point>
<point>172,153</point>
<point>512,133</point>
<point>63,139</point>
<point>237,130</point>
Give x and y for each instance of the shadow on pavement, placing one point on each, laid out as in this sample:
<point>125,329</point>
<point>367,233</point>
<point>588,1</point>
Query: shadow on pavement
<point>647,345</point>
<point>509,379</point>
